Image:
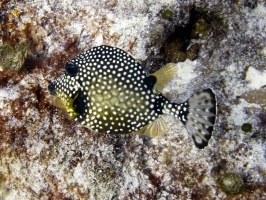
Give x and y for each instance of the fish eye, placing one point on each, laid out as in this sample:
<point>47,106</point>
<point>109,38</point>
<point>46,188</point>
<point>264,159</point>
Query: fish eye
<point>71,69</point>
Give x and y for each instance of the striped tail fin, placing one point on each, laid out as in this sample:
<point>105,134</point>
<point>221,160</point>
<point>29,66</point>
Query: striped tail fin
<point>198,114</point>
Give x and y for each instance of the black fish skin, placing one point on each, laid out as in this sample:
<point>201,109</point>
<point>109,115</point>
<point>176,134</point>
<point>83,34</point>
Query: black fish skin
<point>114,97</point>
<point>112,93</point>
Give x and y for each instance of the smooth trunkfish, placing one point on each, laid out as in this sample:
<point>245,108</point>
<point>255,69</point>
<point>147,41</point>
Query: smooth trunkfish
<point>106,90</point>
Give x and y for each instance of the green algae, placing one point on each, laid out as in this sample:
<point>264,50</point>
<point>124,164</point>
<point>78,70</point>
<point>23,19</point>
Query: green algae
<point>167,14</point>
<point>246,127</point>
<point>192,52</point>
<point>13,57</point>
<point>231,183</point>
<point>201,27</point>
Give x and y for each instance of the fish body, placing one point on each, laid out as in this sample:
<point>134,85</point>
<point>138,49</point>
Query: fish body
<point>106,90</point>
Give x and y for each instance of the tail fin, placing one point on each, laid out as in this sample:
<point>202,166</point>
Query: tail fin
<point>198,114</point>
<point>201,117</point>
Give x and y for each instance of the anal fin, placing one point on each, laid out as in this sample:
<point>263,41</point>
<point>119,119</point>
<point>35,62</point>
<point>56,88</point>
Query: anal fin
<point>155,128</point>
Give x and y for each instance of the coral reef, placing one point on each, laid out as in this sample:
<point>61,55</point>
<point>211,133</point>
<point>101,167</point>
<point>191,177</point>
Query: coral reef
<point>46,155</point>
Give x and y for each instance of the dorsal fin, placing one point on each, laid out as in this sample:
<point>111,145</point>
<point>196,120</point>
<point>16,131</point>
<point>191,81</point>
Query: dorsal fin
<point>157,127</point>
<point>164,75</point>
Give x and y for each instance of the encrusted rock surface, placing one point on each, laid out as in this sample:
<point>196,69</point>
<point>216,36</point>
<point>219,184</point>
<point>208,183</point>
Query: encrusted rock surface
<point>45,155</point>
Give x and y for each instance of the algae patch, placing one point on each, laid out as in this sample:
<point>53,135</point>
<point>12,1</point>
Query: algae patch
<point>231,183</point>
<point>246,127</point>
<point>256,96</point>
<point>167,14</point>
<point>180,45</point>
<point>13,57</point>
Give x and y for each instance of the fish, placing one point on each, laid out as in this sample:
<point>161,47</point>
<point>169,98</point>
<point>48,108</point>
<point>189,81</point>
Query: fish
<point>106,90</point>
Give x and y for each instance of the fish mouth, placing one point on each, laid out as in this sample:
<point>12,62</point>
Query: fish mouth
<point>51,89</point>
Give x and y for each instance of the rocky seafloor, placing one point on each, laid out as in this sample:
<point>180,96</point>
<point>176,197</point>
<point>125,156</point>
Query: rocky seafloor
<point>216,44</point>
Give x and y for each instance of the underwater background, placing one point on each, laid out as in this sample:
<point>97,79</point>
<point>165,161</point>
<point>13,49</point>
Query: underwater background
<point>215,44</point>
